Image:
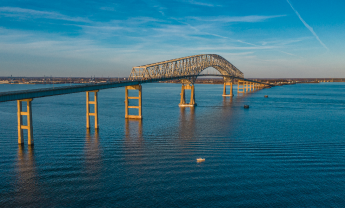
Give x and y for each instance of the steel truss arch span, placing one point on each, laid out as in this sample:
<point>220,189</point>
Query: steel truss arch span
<point>185,66</point>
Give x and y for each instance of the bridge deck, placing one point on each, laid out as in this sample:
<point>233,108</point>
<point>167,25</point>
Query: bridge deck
<point>44,92</point>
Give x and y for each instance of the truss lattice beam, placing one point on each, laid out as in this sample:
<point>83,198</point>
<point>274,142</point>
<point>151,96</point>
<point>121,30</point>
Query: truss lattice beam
<point>185,66</point>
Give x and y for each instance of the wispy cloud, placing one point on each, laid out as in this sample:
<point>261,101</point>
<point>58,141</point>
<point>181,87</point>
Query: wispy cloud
<point>240,41</point>
<point>156,5</point>
<point>20,12</point>
<point>107,8</point>
<point>283,42</point>
<point>202,3</point>
<point>251,18</point>
<point>220,48</point>
<point>307,26</point>
<point>275,47</point>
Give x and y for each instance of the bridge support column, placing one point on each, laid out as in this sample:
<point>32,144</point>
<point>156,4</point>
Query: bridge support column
<point>95,113</point>
<point>28,115</point>
<point>183,97</point>
<point>241,86</point>
<point>133,87</point>
<point>228,83</point>
<point>246,86</point>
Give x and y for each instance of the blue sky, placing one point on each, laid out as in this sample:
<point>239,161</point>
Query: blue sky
<point>266,38</point>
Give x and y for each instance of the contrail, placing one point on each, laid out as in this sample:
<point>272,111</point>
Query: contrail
<point>307,26</point>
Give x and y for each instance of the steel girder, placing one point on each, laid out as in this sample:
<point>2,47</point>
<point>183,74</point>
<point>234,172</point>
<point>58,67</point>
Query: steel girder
<point>190,65</point>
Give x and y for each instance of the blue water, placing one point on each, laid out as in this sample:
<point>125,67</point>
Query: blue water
<point>287,150</point>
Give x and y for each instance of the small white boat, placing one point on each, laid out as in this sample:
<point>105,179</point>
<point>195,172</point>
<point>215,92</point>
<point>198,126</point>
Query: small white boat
<point>199,160</point>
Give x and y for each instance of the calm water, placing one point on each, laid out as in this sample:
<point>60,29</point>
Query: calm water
<point>287,150</point>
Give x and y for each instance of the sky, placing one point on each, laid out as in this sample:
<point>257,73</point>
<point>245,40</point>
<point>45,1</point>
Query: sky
<point>263,39</point>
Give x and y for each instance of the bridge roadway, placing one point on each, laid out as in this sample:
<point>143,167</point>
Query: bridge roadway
<point>53,91</point>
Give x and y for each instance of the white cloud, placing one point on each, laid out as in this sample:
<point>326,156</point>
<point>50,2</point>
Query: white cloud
<point>251,18</point>
<point>20,12</point>
<point>201,3</point>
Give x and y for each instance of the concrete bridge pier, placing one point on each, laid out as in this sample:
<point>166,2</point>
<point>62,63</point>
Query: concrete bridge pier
<point>28,115</point>
<point>240,86</point>
<point>183,97</point>
<point>228,83</point>
<point>133,87</point>
<point>95,113</point>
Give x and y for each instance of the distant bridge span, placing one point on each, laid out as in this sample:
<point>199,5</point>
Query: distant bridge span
<point>185,66</point>
<point>187,69</point>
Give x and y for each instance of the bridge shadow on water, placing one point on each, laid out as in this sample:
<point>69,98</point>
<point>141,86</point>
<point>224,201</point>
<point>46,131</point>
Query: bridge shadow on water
<point>133,141</point>
<point>187,122</point>
<point>27,184</point>
<point>134,128</point>
<point>228,101</point>
<point>92,155</point>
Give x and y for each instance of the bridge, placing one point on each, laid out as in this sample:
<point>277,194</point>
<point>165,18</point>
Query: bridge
<point>185,69</point>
